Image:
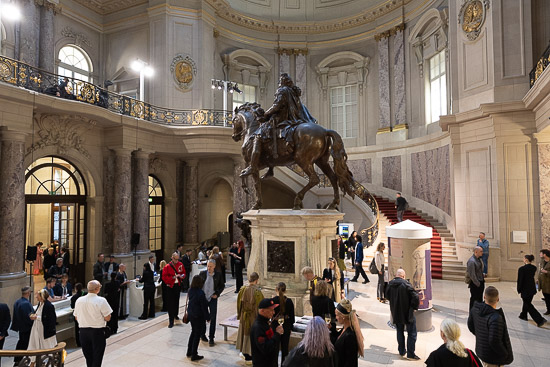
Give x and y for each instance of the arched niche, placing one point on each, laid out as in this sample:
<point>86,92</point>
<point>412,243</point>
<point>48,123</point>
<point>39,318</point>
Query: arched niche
<point>342,68</point>
<point>248,67</point>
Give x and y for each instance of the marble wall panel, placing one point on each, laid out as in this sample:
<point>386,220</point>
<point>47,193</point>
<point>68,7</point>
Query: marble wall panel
<point>108,203</point>
<point>400,106</point>
<point>544,184</point>
<point>362,170</point>
<point>384,84</point>
<point>284,64</point>
<point>431,177</point>
<point>301,73</point>
<point>391,172</point>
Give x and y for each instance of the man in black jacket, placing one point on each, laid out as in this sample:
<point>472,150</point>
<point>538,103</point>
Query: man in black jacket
<point>22,308</point>
<point>401,205</point>
<point>5,321</point>
<point>403,301</point>
<point>264,340</point>
<point>148,280</point>
<point>186,261</point>
<point>213,288</point>
<point>488,324</point>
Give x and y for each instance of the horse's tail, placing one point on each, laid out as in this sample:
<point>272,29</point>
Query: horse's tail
<point>339,156</point>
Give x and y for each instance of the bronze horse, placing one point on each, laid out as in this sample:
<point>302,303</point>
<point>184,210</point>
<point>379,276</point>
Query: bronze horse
<point>313,144</point>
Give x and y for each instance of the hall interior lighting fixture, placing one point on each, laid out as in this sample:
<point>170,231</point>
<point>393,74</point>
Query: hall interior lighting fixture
<point>9,11</point>
<point>144,70</point>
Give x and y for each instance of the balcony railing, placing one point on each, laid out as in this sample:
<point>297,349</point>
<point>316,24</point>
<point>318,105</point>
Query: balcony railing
<point>540,67</point>
<point>369,234</point>
<point>54,357</point>
<point>23,75</point>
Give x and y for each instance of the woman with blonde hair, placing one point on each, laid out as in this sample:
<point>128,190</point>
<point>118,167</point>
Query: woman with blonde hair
<point>335,279</point>
<point>321,303</point>
<point>43,327</point>
<point>348,342</point>
<point>380,260</point>
<point>315,349</point>
<point>452,353</point>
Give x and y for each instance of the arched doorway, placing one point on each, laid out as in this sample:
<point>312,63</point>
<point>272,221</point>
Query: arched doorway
<point>156,217</point>
<point>55,197</point>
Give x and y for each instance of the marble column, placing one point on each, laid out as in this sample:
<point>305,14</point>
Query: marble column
<point>12,205</point>
<point>47,46</point>
<point>29,33</point>
<point>384,117</point>
<point>122,220</point>
<point>284,64</point>
<point>140,199</point>
<point>301,75</point>
<point>191,208</point>
<point>180,196</point>
<point>400,107</point>
<point>239,196</point>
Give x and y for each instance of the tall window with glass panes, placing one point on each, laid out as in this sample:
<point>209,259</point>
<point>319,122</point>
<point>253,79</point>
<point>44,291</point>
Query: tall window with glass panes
<point>248,95</point>
<point>436,99</point>
<point>343,110</point>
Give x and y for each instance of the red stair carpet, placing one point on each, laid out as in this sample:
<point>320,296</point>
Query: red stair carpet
<point>387,208</point>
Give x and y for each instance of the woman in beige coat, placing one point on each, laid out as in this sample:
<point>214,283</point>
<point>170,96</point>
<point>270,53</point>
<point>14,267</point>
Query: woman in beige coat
<point>248,301</point>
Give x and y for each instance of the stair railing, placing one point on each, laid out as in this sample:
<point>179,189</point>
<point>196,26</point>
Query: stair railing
<point>54,357</point>
<point>369,234</point>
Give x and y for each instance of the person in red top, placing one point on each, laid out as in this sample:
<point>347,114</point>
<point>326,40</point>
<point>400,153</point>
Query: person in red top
<point>173,274</point>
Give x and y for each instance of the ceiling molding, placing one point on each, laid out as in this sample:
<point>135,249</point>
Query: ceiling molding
<point>105,7</point>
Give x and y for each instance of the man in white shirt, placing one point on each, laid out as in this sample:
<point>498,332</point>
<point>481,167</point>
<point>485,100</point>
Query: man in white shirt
<point>92,311</point>
<point>152,263</point>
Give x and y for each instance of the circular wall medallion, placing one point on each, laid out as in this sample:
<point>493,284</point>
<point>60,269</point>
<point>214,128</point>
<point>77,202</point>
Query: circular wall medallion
<point>183,70</point>
<point>472,16</point>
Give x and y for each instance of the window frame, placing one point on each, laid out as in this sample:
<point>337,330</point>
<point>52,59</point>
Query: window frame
<point>442,79</point>
<point>243,87</point>
<point>352,105</point>
<point>73,69</point>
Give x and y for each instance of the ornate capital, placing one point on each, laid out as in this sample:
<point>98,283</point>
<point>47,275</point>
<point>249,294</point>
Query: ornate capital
<point>292,51</point>
<point>390,32</point>
<point>79,38</point>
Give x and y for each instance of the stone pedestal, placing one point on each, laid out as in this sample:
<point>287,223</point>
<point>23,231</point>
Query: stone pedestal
<point>283,242</point>
<point>409,249</point>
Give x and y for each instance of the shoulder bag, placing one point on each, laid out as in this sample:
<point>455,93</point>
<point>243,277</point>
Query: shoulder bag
<point>473,358</point>
<point>185,318</point>
<point>372,267</point>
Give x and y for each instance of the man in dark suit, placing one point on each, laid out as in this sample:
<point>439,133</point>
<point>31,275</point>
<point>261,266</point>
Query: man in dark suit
<point>359,261</point>
<point>66,258</point>
<point>21,321</point>
<point>179,250</point>
<point>186,261</point>
<point>148,280</point>
<point>5,321</point>
<point>233,250</point>
<point>110,267</point>
<point>213,288</point>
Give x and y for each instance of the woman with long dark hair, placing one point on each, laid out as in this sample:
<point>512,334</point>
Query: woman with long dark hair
<point>348,342</point>
<point>197,310</point>
<point>284,313</point>
<point>527,289</point>
<point>238,256</point>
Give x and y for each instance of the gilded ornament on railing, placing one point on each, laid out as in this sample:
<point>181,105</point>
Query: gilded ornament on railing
<point>7,70</point>
<point>472,16</point>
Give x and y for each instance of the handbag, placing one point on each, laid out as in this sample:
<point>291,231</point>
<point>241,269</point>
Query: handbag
<point>372,267</point>
<point>474,362</point>
<point>107,332</point>
<point>185,318</point>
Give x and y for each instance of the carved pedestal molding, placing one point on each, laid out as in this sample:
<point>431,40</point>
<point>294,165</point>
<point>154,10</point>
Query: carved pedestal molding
<point>12,204</point>
<point>122,221</point>
<point>140,196</point>
<point>191,208</point>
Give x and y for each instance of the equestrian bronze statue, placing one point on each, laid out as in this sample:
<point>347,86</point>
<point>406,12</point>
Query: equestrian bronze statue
<point>287,134</point>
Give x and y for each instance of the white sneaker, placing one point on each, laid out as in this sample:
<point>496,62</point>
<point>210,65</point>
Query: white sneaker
<point>241,355</point>
<point>249,363</point>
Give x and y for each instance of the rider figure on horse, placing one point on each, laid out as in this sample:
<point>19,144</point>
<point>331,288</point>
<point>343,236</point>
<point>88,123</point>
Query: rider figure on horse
<point>279,122</point>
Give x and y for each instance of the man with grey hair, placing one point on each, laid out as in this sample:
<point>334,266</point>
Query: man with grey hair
<point>474,276</point>
<point>403,301</point>
<point>92,312</point>
<point>213,288</point>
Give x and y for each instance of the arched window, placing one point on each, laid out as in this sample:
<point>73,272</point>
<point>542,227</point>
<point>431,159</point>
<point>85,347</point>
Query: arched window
<point>156,220</point>
<point>74,63</point>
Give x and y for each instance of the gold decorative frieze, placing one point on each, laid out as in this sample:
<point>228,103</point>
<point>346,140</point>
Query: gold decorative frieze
<point>384,130</point>
<point>390,32</point>
<point>400,127</point>
<point>292,51</point>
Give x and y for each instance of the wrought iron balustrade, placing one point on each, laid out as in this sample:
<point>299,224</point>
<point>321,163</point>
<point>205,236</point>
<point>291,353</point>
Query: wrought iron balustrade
<point>54,357</point>
<point>540,67</point>
<point>369,234</point>
<point>23,75</point>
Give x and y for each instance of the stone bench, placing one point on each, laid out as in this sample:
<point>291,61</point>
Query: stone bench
<point>231,322</point>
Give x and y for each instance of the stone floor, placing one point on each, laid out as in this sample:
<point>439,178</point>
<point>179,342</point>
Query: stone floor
<point>140,343</point>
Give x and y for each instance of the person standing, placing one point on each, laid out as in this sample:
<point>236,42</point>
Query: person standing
<point>112,295</point>
<point>92,312</point>
<point>315,349</point>
<point>5,321</point>
<point>359,261</point>
<point>99,269</point>
<point>474,276</point>
<point>350,246</point>
<point>247,308</point>
<point>348,342</point>
<point>312,279</point>
<point>238,257</point>
<point>335,278</point>
<point>488,324</point>
<point>527,289</point>
<point>37,266</point>
<point>77,294</point>
<point>186,261</point>
<point>43,328</point>
<point>49,261</point>
<point>284,312</point>
<point>123,280</point>
<point>163,288</point>
<point>220,263</point>
<point>264,339</point>
<point>452,353</point>
<point>484,244</point>
<point>152,264</point>
<point>379,261</point>
<point>401,205</point>
<point>544,279</point>
<point>22,324</point>
<point>321,304</point>
<point>232,252</point>
<point>66,257</point>
<point>213,288</point>
<point>110,267</point>
<point>173,275</point>
<point>148,280</point>
<point>197,311</point>
<point>403,301</point>
<point>341,254</point>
